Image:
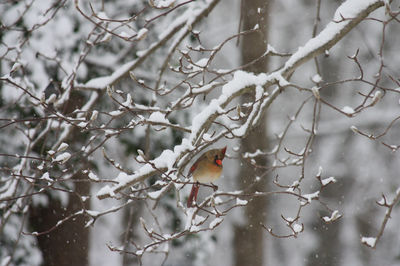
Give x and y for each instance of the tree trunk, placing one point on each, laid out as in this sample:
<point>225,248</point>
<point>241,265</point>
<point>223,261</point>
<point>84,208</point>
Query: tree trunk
<point>69,243</point>
<point>249,248</point>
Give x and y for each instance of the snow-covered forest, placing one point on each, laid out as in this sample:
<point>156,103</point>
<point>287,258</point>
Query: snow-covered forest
<point>106,105</point>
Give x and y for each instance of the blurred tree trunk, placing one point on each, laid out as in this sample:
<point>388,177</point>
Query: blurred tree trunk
<point>249,248</point>
<point>68,244</point>
<point>328,250</point>
<point>132,215</point>
<point>130,220</point>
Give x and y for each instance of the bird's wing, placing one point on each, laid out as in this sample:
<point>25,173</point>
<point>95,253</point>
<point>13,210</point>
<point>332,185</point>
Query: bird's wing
<point>194,166</point>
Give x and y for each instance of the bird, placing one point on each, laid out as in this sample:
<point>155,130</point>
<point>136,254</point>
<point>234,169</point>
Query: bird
<point>207,168</point>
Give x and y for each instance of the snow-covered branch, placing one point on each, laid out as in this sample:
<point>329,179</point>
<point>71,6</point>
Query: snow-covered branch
<point>187,21</point>
<point>116,99</point>
<point>243,82</point>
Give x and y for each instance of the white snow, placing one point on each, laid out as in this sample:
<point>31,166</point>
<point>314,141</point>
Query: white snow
<point>142,33</point>
<point>315,91</point>
<point>270,49</point>
<point>241,202</point>
<point>201,119</point>
<point>218,200</point>
<point>106,190</point>
<point>158,117</point>
<point>295,184</point>
<point>163,3</point>
<point>139,252</point>
<point>62,158</point>
<point>242,79</point>
<point>369,241</point>
<point>122,177</point>
<point>198,219</point>
<point>349,9</point>
<point>189,218</point>
<point>278,77</point>
<point>102,15</point>
<point>82,124</point>
<point>348,110</point>
<point>382,201</point>
<point>202,62</point>
<point>46,177</point>
<point>165,161</point>
<point>216,222</point>
<point>6,260</point>
<point>289,219</point>
<point>354,129</point>
<point>107,37</point>
<point>316,78</point>
<point>319,171</point>
<point>258,152</point>
<point>377,96</point>
<point>124,34</point>
<point>93,176</point>
<point>297,228</point>
<point>155,194</point>
<point>103,82</point>
<point>41,166</point>
<point>128,102</point>
<point>95,113</point>
<point>115,113</point>
<point>93,213</point>
<point>16,66</point>
<point>334,216</point>
<point>311,196</point>
<point>194,229</point>
<point>51,99</point>
<point>240,82</point>
<point>328,180</point>
<point>63,146</point>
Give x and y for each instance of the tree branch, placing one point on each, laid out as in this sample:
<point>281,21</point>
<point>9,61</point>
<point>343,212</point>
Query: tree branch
<point>243,82</point>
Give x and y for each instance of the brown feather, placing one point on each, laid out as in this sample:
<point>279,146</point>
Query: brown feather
<point>193,195</point>
<point>207,168</point>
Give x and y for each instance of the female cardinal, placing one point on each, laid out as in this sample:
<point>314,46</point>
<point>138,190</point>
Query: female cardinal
<point>207,168</point>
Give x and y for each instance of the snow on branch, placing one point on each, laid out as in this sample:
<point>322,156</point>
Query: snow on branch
<point>188,19</point>
<point>389,205</point>
<point>347,16</point>
<point>68,105</point>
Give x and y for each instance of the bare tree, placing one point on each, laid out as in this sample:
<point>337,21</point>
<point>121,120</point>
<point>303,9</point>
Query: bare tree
<point>106,104</point>
<point>249,247</point>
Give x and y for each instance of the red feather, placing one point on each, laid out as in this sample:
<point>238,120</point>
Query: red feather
<point>193,195</point>
<point>194,166</point>
<point>223,152</point>
<point>195,188</point>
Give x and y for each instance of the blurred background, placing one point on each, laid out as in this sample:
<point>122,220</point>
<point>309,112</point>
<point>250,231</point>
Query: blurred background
<point>49,48</point>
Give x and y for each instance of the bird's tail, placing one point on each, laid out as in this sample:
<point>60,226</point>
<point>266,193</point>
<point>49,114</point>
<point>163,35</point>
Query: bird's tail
<point>193,195</point>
